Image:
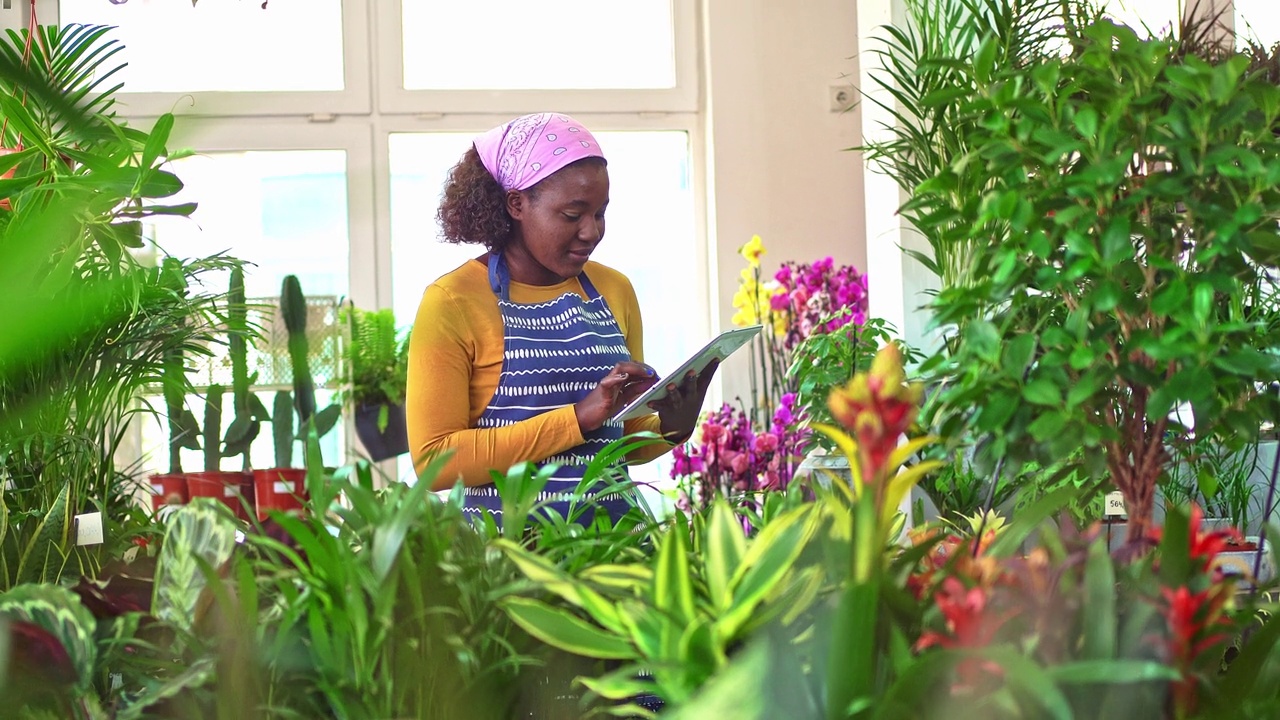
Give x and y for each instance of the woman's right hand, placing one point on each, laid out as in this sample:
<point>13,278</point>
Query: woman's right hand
<point>624,383</point>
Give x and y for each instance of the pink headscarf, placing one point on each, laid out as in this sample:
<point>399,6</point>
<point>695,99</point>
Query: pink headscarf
<point>528,149</point>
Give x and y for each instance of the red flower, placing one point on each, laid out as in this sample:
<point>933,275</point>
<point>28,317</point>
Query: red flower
<point>1193,621</point>
<point>969,626</point>
<point>878,407</point>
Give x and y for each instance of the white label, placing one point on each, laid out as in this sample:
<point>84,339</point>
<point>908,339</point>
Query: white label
<point>89,529</point>
<point>230,491</point>
<point>283,488</point>
<point>157,489</point>
<point>117,681</point>
<point>1114,505</point>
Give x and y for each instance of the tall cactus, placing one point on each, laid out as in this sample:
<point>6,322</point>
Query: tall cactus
<point>184,431</point>
<point>244,427</point>
<point>293,308</point>
<point>212,427</point>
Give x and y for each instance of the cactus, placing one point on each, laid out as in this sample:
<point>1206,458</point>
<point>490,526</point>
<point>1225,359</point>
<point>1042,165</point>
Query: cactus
<point>293,308</point>
<point>212,426</point>
<point>245,425</point>
<point>183,430</point>
<point>282,428</point>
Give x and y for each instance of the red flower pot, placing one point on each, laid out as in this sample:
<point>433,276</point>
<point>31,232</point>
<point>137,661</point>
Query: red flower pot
<point>168,489</point>
<point>282,489</point>
<point>226,486</point>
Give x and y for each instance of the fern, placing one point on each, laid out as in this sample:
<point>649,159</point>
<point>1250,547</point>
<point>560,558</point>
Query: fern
<point>377,357</point>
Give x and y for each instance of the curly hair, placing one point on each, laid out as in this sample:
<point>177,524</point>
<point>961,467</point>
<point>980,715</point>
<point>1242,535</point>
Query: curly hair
<point>474,208</point>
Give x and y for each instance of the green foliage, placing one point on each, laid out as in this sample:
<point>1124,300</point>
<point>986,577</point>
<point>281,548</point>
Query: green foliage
<point>377,358</point>
<point>282,428</point>
<point>1215,476</point>
<point>827,360</point>
<point>678,616</point>
<point>923,72</point>
<point>200,532</point>
<point>959,491</point>
<point>1135,227</point>
<point>213,428</point>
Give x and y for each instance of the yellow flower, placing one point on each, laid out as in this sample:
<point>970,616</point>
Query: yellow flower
<point>752,251</point>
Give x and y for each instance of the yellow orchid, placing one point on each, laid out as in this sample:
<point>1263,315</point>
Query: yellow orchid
<point>752,251</point>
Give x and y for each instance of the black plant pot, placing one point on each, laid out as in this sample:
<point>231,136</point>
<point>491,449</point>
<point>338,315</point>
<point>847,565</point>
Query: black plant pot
<point>385,444</point>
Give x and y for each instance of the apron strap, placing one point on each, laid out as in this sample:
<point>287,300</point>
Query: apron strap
<point>500,279</point>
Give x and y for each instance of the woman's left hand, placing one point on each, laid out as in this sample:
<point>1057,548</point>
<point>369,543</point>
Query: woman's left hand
<point>679,410</point>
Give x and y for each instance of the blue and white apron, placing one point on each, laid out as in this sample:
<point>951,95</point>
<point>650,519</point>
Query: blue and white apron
<point>554,353</point>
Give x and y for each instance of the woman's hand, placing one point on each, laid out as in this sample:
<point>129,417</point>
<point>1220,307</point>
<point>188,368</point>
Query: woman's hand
<point>624,383</point>
<point>680,408</point>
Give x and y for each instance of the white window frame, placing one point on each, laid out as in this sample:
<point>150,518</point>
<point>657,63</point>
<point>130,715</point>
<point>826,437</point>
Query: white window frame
<point>394,98</point>
<point>354,98</point>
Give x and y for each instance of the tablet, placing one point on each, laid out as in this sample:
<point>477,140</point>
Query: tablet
<point>718,349</point>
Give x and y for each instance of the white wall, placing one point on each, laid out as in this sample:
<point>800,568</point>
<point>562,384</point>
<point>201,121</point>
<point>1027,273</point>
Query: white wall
<point>777,160</point>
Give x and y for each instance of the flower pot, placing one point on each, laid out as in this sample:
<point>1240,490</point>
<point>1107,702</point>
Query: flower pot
<point>1240,563</point>
<point>4,203</point>
<point>235,489</point>
<point>282,489</point>
<point>384,444</point>
<point>168,489</point>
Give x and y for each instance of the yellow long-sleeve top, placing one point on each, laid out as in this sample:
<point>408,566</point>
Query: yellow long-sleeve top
<point>455,361</point>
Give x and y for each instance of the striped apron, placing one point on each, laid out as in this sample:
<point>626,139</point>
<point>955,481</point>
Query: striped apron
<point>554,353</point>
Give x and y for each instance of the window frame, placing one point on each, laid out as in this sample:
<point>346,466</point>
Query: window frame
<point>394,98</point>
<point>354,98</point>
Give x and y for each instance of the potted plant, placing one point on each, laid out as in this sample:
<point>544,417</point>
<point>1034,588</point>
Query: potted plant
<point>280,487</point>
<point>377,365</point>
<point>1123,227</point>
<point>184,432</point>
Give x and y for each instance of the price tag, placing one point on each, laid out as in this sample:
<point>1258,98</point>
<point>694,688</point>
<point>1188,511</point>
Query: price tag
<point>1114,505</point>
<point>88,528</point>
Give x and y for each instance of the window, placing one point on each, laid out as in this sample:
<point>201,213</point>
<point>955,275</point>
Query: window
<point>301,172</point>
<point>1157,16</point>
<point>614,44</point>
<point>1258,20</point>
<point>173,47</point>
<point>234,58</point>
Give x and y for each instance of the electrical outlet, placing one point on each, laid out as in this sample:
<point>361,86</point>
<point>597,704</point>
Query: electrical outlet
<point>840,97</point>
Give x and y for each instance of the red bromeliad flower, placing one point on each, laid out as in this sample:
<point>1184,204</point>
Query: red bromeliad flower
<point>1195,621</point>
<point>969,626</point>
<point>877,407</point>
<point>1205,546</point>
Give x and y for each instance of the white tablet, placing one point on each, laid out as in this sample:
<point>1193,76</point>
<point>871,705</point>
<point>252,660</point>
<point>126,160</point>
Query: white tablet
<point>719,348</point>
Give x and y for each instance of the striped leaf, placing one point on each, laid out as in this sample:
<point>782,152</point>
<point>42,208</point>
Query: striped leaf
<point>202,529</point>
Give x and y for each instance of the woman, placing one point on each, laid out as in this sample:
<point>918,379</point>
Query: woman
<point>528,351</point>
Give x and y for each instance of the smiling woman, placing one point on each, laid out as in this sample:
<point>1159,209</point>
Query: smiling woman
<point>528,351</point>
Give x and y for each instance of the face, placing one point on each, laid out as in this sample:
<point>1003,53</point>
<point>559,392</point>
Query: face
<point>558,226</point>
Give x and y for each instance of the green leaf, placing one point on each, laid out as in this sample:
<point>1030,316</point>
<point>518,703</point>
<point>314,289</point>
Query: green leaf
<point>673,582</point>
<point>1042,391</point>
<point>725,546</point>
<point>768,560</point>
<point>1175,544</point>
<point>566,631</point>
<point>47,551</point>
<point>1086,121</point>
<point>1099,606</point>
<point>1018,353</point>
<point>1117,672</point>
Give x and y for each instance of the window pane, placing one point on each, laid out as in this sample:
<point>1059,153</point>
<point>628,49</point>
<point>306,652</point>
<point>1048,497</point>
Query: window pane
<point>219,45</point>
<point>1157,16</point>
<point>1258,20</point>
<point>284,211</point>
<point>651,235</point>
<point>520,45</point>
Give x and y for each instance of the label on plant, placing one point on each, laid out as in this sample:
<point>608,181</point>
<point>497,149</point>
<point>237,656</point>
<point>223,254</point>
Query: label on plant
<point>229,491</point>
<point>282,488</point>
<point>1114,505</point>
<point>157,489</point>
<point>89,529</point>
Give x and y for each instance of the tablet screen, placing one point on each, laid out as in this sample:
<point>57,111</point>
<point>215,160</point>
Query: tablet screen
<point>719,348</point>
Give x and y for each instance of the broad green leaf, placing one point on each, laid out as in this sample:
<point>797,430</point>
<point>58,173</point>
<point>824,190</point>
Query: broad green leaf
<point>1099,606</point>
<point>562,629</point>
<point>673,582</point>
<point>726,544</point>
